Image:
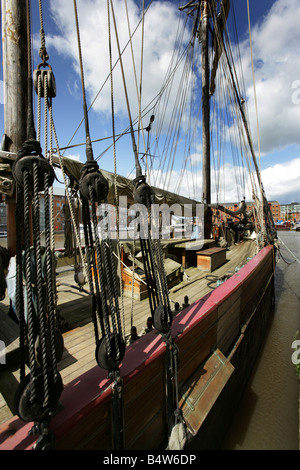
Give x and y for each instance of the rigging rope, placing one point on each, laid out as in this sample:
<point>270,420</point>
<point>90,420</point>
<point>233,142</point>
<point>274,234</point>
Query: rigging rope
<point>138,87</point>
<point>126,92</point>
<point>254,87</point>
<point>110,345</point>
<point>38,392</point>
<point>115,168</point>
<point>107,78</point>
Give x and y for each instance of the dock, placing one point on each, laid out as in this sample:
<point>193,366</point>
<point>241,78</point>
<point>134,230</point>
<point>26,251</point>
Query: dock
<point>74,307</point>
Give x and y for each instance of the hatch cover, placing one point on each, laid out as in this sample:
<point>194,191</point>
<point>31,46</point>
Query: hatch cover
<point>201,391</point>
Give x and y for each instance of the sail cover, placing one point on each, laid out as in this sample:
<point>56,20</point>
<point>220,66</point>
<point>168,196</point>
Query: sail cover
<point>125,185</point>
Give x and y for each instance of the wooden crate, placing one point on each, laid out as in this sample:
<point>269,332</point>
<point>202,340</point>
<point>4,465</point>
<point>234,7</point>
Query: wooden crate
<point>211,259</point>
<point>140,290</point>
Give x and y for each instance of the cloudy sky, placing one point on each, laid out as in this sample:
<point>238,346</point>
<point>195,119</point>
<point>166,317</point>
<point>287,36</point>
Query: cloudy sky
<point>275,36</point>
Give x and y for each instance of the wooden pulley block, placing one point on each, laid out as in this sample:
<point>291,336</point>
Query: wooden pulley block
<point>142,191</point>
<point>36,411</point>
<point>26,163</point>
<point>51,84</point>
<point>160,319</point>
<point>104,359</point>
<point>98,183</point>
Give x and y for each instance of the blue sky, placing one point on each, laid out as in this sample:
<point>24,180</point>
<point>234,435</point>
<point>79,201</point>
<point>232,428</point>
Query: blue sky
<point>276,51</point>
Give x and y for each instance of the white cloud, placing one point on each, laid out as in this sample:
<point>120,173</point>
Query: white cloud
<point>276,49</point>
<point>282,181</point>
<point>228,184</point>
<point>158,48</point>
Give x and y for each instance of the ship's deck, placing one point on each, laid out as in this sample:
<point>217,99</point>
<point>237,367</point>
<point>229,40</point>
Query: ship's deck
<point>75,307</point>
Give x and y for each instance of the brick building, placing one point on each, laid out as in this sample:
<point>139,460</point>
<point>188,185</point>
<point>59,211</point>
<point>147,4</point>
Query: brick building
<point>275,209</point>
<point>290,211</point>
<point>58,203</point>
<point>59,200</point>
<point>274,206</point>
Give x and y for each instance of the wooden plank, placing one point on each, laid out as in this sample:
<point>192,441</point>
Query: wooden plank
<point>5,411</point>
<point>197,345</point>
<point>149,403</point>
<point>199,394</point>
<point>228,325</point>
<point>250,291</point>
<point>93,425</point>
<point>153,433</point>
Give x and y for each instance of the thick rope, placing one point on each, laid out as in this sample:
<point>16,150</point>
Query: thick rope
<point>115,165</point>
<point>126,93</point>
<point>254,87</point>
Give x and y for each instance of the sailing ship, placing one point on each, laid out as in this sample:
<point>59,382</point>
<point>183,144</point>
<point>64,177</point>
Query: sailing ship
<point>176,386</point>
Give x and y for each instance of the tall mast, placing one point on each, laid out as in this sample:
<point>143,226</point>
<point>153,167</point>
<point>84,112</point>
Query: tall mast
<point>15,72</point>
<point>201,27</point>
<point>206,188</point>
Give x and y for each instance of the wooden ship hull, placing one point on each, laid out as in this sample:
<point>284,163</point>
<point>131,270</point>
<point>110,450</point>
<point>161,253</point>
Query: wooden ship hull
<point>218,338</point>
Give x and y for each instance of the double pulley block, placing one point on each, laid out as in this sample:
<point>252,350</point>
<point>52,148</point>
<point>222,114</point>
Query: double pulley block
<point>29,156</point>
<point>91,177</point>
<point>110,349</point>
<point>144,194</point>
<point>39,76</point>
<point>161,319</point>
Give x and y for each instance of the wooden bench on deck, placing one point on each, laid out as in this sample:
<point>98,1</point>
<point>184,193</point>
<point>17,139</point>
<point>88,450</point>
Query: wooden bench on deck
<point>211,259</point>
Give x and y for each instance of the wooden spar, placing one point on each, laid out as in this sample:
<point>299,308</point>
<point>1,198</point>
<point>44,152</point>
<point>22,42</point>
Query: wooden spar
<point>15,71</point>
<point>206,188</point>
